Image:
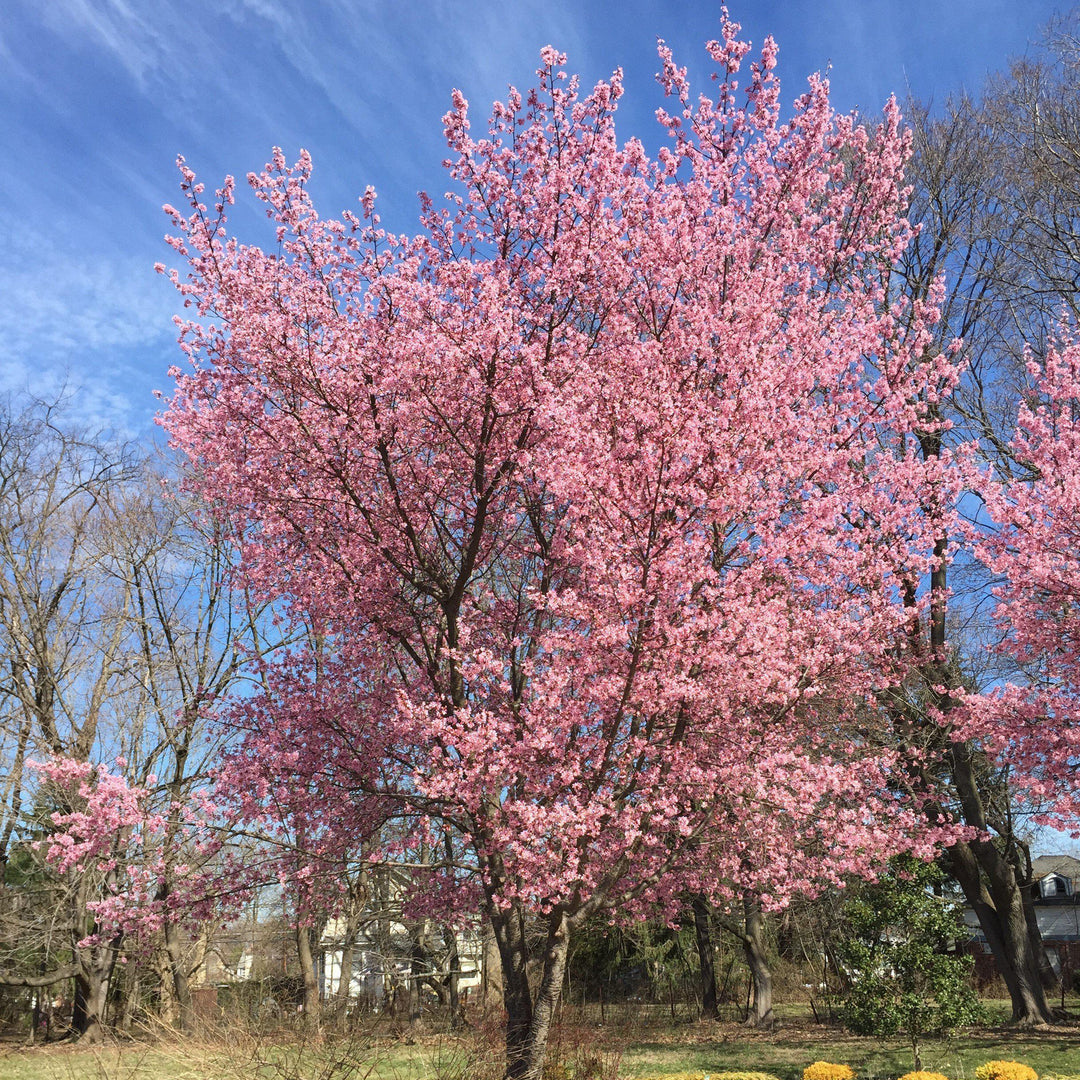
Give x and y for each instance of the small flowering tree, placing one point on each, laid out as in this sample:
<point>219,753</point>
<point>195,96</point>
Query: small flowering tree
<point>601,492</point>
<point>113,845</point>
<point>103,850</point>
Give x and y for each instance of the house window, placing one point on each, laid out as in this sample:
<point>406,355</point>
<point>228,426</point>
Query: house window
<point>1056,886</point>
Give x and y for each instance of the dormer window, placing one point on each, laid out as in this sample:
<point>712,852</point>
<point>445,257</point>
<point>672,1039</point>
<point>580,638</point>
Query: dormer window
<point>1054,885</point>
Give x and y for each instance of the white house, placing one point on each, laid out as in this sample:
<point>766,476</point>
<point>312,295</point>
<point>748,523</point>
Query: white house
<point>377,967</point>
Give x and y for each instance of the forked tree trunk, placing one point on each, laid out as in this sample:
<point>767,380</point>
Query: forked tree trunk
<point>95,968</point>
<point>703,934</point>
<point>999,907</point>
<point>996,895</point>
<point>528,1021</point>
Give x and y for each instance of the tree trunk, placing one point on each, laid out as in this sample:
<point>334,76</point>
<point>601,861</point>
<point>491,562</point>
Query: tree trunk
<point>748,932</point>
<point>756,959</point>
<point>992,889</point>
<point>1047,976</point>
<point>419,968</point>
<point>703,933</point>
<point>181,989</point>
<point>995,895</point>
<point>528,1023</point>
<point>509,928</point>
<point>91,994</point>
<point>95,968</point>
<point>131,1002</point>
<point>79,1022</point>
<point>168,1010</point>
<point>306,955</point>
<point>345,972</point>
<point>453,976</point>
<point>999,907</point>
<point>491,975</point>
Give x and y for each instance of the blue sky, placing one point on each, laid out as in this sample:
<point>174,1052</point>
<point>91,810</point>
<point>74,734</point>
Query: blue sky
<point>97,97</point>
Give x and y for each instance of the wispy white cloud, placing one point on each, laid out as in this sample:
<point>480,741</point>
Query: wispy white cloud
<point>85,323</point>
<point>132,34</point>
<point>60,304</point>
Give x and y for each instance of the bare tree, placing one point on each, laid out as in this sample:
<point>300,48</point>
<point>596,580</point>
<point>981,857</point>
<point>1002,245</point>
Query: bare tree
<point>62,638</point>
<point>118,627</point>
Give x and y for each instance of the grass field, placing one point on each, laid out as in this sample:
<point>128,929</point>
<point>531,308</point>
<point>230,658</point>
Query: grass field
<point>578,1051</point>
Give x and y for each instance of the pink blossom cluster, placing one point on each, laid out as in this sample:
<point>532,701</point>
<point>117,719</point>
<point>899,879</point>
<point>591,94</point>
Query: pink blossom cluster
<point>1033,543</point>
<point>111,836</point>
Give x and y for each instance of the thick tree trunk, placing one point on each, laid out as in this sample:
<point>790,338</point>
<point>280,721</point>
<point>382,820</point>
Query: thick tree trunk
<point>306,955</point>
<point>95,968</point>
<point>79,1022</point>
<point>528,1022</point>
<point>168,1010</point>
<point>703,934</point>
<point>131,1002</point>
<point>509,929</point>
<point>1047,976</point>
<point>756,959</point>
<point>999,907</point>
<point>994,892</point>
<point>91,995</point>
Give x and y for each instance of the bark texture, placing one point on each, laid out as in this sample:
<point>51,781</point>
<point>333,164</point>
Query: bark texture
<point>703,935</point>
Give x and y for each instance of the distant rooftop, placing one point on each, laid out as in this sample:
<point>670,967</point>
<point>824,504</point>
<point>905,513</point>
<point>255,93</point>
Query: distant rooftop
<point>1064,865</point>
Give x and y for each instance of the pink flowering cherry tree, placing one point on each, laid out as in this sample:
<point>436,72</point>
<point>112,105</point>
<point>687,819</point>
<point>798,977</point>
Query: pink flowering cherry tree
<point>114,844</point>
<point>104,846</point>
<point>600,491</point>
<point>1034,545</point>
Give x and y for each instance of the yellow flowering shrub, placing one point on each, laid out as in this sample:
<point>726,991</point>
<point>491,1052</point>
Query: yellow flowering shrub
<point>676,1076</point>
<point>1005,1070</point>
<point>922,1074</point>
<point>826,1070</point>
<point>735,1075</point>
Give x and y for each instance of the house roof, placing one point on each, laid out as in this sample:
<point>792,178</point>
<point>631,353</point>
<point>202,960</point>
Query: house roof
<point>1064,865</point>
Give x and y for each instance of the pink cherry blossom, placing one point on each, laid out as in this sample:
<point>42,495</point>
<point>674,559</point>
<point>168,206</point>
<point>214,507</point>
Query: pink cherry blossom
<point>599,498</point>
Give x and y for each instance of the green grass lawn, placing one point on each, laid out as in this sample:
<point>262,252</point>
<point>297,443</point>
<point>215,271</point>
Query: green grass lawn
<point>623,1050</point>
<point>786,1053</point>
